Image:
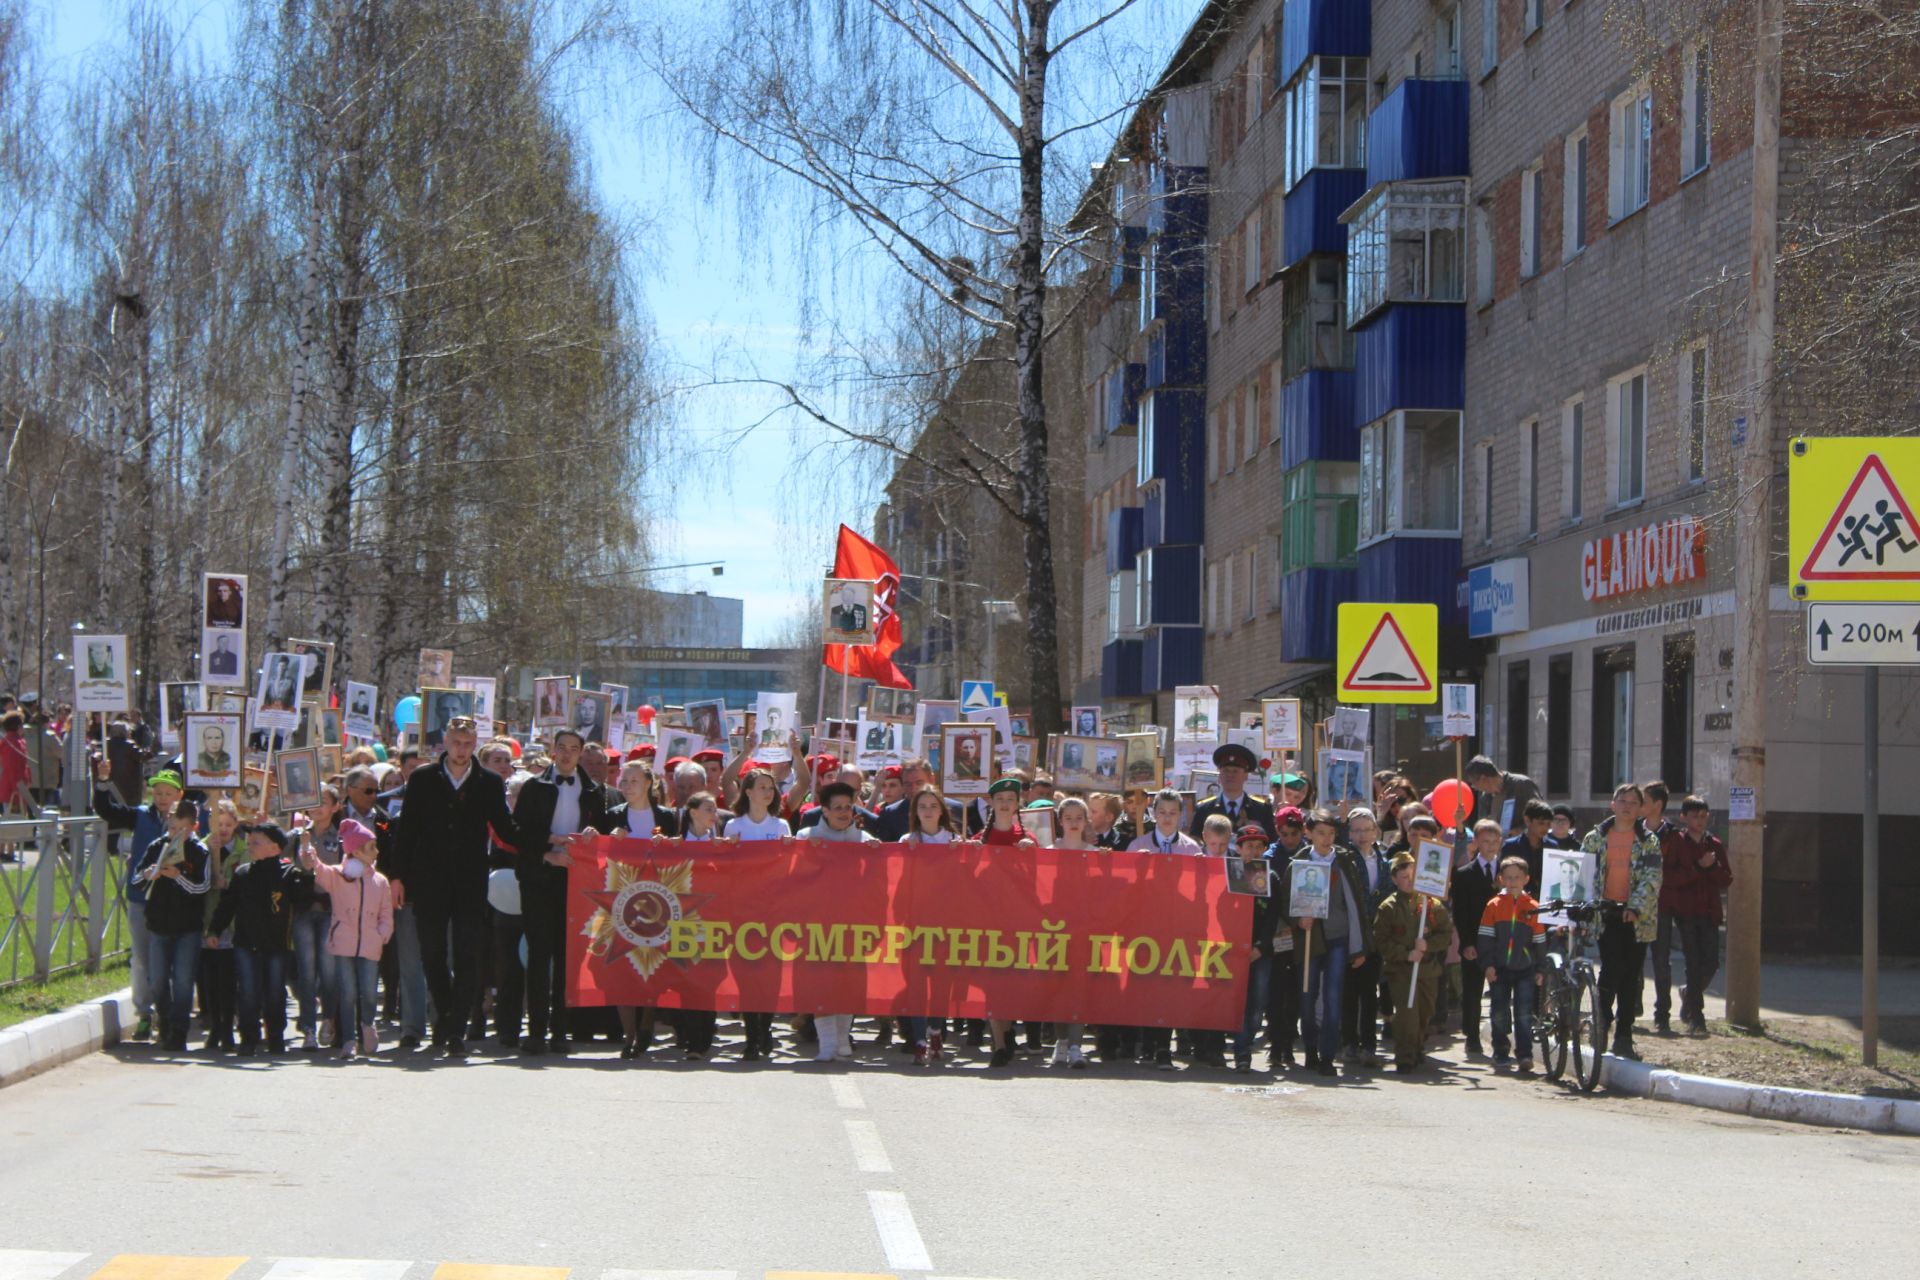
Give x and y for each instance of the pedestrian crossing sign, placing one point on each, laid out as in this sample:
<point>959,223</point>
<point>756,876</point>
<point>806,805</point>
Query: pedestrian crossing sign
<point>976,695</point>
<point>1389,652</point>
<point>1851,531</point>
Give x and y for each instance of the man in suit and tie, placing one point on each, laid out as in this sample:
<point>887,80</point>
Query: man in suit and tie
<point>1234,761</point>
<point>439,867</point>
<point>1473,886</point>
<point>554,809</point>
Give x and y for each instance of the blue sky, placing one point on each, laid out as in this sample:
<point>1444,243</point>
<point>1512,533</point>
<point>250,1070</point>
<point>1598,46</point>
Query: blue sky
<point>720,298</point>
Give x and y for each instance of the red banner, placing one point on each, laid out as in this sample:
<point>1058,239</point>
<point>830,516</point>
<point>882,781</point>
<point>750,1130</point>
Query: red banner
<point>970,931</point>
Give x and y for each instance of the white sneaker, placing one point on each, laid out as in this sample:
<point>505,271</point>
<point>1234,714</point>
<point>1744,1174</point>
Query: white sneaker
<point>1061,1054</point>
<point>843,1043</point>
<point>310,1041</point>
<point>1076,1058</point>
<point>823,1030</point>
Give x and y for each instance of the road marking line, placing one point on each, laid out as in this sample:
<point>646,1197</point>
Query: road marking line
<point>485,1271</point>
<point>905,1250</point>
<point>847,1094</point>
<point>623,1273</point>
<point>335,1269</point>
<point>869,1154</point>
<point>154,1266</point>
<point>830,1275</point>
<point>35,1264</point>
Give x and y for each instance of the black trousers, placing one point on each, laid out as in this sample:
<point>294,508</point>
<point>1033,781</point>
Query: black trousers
<point>1622,971</point>
<point>217,977</point>
<point>1360,1007</point>
<point>510,980</point>
<point>452,936</point>
<point>1473,984</point>
<point>1699,939</point>
<point>1283,1003</point>
<point>543,914</point>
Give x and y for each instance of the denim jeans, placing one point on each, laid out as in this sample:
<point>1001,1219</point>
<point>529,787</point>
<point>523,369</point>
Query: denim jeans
<point>172,959</point>
<point>141,944</point>
<point>1259,976</point>
<point>314,981</point>
<point>1320,1014</point>
<point>358,1000</point>
<point>1512,994</point>
<point>413,976</point>
<point>262,982</point>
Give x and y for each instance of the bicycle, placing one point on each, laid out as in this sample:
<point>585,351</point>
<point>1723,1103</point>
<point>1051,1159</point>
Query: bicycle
<point>1570,1016</point>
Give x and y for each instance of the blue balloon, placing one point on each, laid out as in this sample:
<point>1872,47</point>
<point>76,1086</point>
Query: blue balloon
<point>406,713</point>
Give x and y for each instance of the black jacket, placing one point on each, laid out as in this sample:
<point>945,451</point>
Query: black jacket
<point>260,902</point>
<point>1469,893</point>
<point>440,838</point>
<point>890,821</point>
<point>534,818</point>
<point>177,905</point>
<point>1252,809</point>
<point>614,821</point>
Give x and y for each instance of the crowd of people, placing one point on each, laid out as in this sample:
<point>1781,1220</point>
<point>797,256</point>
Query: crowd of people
<point>430,893</point>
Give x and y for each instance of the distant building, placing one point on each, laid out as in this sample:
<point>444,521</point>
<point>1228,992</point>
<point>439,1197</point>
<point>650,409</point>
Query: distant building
<point>694,620</point>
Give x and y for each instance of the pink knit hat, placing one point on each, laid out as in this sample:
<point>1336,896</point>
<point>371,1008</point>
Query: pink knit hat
<point>354,837</point>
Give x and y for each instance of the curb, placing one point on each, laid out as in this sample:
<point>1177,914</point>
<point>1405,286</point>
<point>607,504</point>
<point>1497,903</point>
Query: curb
<point>1762,1102</point>
<point>43,1043</point>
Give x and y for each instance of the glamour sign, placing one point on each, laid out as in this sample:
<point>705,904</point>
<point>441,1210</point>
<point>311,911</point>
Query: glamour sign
<point>1665,553</point>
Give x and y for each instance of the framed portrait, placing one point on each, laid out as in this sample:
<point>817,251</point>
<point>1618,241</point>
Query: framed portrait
<point>211,743</point>
<point>1205,783</point>
<point>846,612</point>
<point>223,601</point>
<point>1039,824</point>
<point>620,694</point>
<point>774,718</point>
<point>1350,728</point>
<point>845,734</point>
<point>1567,875</point>
<point>1196,713</point>
<point>250,797</point>
<point>331,758</point>
<point>362,701</point>
<point>550,701</point>
<point>708,720</point>
<point>1280,724</point>
<point>1250,876</point>
<point>177,698</point>
<point>436,669</point>
<point>1310,890</point>
<point>279,692</point>
<point>316,676</point>
<point>484,690</point>
<point>1084,722</point>
<point>229,700</point>
<point>676,740</point>
<point>1142,760</point>
<point>296,780</point>
<point>1343,777</point>
<point>223,657</point>
<point>438,707</point>
<point>1433,867</point>
<point>331,730</point>
<point>101,680</point>
<point>590,712</point>
<point>878,743</point>
<point>1002,721</point>
<point>1025,750</point>
<point>1020,724</point>
<point>1076,760</point>
<point>928,716</point>
<point>890,704</point>
<point>966,758</point>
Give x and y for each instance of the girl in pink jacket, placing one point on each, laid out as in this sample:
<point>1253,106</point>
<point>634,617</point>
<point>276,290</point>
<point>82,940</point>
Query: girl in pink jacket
<point>362,901</point>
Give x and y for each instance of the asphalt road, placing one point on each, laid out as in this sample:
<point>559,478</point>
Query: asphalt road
<point>624,1171</point>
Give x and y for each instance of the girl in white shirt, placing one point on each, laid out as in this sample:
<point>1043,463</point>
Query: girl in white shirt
<point>703,817</point>
<point>1075,821</point>
<point>931,820</point>
<point>759,793</point>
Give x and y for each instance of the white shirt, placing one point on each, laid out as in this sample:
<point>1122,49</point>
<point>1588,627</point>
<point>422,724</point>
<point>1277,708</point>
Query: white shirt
<point>460,780</point>
<point>771,827</point>
<point>1154,842</point>
<point>932,837</point>
<point>566,804</point>
<point>640,820</point>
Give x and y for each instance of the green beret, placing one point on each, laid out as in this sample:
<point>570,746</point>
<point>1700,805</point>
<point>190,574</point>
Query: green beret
<point>1007,784</point>
<point>167,777</point>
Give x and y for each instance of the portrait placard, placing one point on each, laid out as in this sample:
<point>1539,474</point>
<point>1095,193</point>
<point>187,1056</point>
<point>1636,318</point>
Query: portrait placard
<point>296,780</point>
<point>966,753</point>
<point>1250,876</point>
<point>1085,722</point>
<point>223,657</point>
<point>101,681</point>
<point>362,701</point>
<point>438,707</point>
<point>1196,709</point>
<point>847,613</point>
<point>550,701</point>
<point>177,698</point>
<point>1280,724</point>
<point>278,699</point>
<point>484,690</point>
<point>1433,868</point>
<point>210,748</point>
<point>1310,890</point>
<point>774,718</point>
<point>1142,760</point>
<point>316,674</point>
<point>436,669</point>
<point>589,712</point>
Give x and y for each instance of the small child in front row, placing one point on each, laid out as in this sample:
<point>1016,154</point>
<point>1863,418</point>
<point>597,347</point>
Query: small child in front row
<point>1512,940</point>
<point>362,903</point>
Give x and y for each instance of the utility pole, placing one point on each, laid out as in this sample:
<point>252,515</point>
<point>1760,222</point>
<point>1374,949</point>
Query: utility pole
<point>1753,535</point>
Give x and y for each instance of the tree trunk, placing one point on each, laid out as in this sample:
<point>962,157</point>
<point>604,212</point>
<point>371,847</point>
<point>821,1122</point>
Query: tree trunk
<point>306,336</point>
<point>336,445</point>
<point>1029,325</point>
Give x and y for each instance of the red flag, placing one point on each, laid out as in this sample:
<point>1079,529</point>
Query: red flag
<point>861,560</point>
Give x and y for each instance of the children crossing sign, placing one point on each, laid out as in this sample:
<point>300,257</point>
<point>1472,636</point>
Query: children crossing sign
<point>1851,528</point>
<point>1389,652</point>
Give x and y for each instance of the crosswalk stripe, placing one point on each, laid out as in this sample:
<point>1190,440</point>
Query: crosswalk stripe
<point>335,1269</point>
<point>35,1264</point>
<point>623,1273</point>
<point>485,1271</point>
<point>156,1266</point>
<point>831,1275</point>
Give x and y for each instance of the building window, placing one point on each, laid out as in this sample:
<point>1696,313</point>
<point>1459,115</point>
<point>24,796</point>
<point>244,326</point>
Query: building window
<point>1489,37</point>
<point>1230,450</point>
<point>1631,150</point>
<point>1530,473</point>
<point>1319,518</point>
<point>1143,581</point>
<point>1446,44</point>
<point>1246,585</point>
<point>1532,216</point>
<point>1121,602</point>
<point>1531,15</point>
<point>1519,716</point>
<point>1676,713</point>
<point>1404,245</point>
<point>1226,589</point>
<point>1143,464</point>
<point>1482,253</point>
<point>1612,718</point>
<point>1250,273</point>
<point>1213,597</point>
<point>1327,117</point>
<point>1573,206</point>
<point>1573,469</point>
<point>1250,420</point>
<point>1410,475</point>
<point>1627,427</point>
<point>1276,376</point>
<point>1560,724</point>
<point>1696,110</point>
<point>1693,400</point>
<point>1314,332</point>
<point>1486,492</point>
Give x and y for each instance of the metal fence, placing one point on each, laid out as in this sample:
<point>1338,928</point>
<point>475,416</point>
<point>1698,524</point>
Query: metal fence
<point>63,904</point>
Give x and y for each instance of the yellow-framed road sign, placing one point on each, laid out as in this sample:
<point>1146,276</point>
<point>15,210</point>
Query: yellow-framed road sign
<point>1851,531</point>
<point>1389,653</point>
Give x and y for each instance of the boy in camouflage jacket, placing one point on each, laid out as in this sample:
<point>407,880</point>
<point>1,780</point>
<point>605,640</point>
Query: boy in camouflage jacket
<point>1397,937</point>
<point>1625,933</point>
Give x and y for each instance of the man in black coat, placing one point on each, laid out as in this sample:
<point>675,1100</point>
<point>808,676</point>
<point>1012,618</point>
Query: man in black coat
<point>439,868</point>
<point>555,807</point>
<point>1473,886</point>
<point>1235,762</point>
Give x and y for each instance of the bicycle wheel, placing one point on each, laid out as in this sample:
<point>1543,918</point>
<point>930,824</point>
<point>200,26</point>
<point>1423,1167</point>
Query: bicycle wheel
<point>1590,1031</point>
<point>1553,1020</point>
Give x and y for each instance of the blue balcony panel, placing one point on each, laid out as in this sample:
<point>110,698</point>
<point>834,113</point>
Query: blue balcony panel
<point>1310,612</point>
<point>1418,131</point>
<point>1120,669</point>
<point>1316,419</point>
<point>1337,28</point>
<point>1124,384</point>
<point>1312,215</point>
<point>1410,356</point>
<point>1177,202</point>
<point>1412,571</point>
<point>1173,597</point>
<point>1169,657</point>
<point>1176,452</point>
<point>1123,538</point>
<point>1127,244</point>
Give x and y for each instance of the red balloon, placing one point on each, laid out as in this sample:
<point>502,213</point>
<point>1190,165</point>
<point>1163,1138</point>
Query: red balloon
<point>645,714</point>
<point>513,745</point>
<point>1451,802</point>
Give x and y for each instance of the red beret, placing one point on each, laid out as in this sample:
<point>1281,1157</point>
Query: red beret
<point>1290,815</point>
<point>824,761</point>
<point>710,753</point>
<point>891,771</point>
<point>645,751</point>
<point>674,762</point>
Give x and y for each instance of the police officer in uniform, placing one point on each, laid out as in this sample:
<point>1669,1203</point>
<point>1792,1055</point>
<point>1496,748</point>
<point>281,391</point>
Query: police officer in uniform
<point>1235,762</point>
